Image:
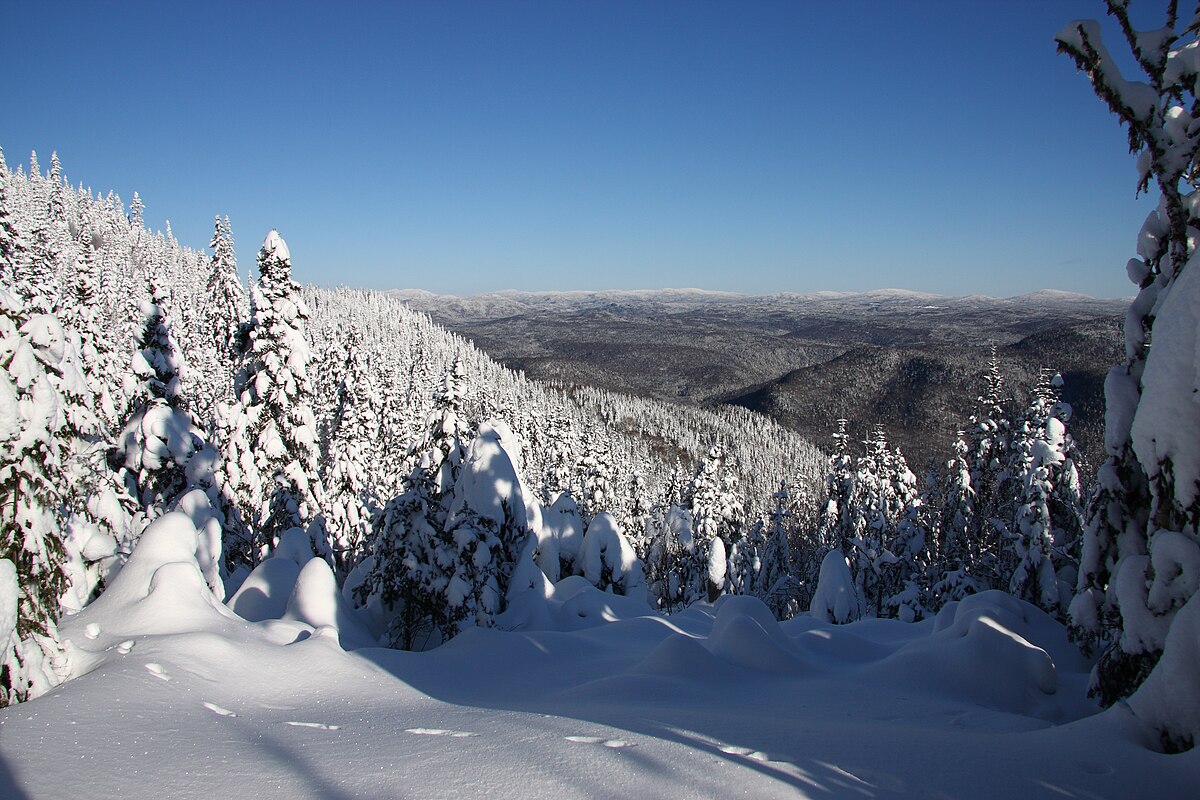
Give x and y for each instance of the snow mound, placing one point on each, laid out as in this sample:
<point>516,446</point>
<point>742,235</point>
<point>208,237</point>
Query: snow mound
<point>979,651</point>
<point>197,506</point>
<point>159,591</point>
<point>571,604</point>
<point>295,545</point>
<point>316,601</point>
<point>680,656</point>
<point>837,645</point>
<point>835,599</point>
<point>746,634</point>
<point>265,592</point>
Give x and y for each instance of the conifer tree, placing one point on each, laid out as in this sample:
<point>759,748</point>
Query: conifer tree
<point>412,560</point>
<point>778,587</point>
<point>1045,533</point>
<point>958,547</point>
<point>34,444</point>
<point>12,245</point>
<point>160,437</point>
<point>137,210</point>
<point>270,435</point>
<point>992,482</point>
<point>487,533</point>
<point>224,311</point>
<point>717,514</point>
<point>354,432</point>
<point>1142,522</point>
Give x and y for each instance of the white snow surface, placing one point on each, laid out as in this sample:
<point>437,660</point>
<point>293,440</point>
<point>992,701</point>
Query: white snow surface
<point>274,243</point>
<point>1168,413</point>
<point>176,696</point>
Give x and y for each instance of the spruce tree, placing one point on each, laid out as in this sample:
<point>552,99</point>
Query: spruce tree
<point>1045,533</point>
<point>224,311</point>
<point>34,446</point>
<point>155,450</point>
<point>1140,536</point>
<point>269,433</point>
<point>412,558</point>
<point>352,498</point>
<point>776,584</point>
<point>992,482</point>
<point>12,244</point>
<point>959,550</point>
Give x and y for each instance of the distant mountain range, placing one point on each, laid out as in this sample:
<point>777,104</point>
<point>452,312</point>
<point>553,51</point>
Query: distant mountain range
<point>909,360</point>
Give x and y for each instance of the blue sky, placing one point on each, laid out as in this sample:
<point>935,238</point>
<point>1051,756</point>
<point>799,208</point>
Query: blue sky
<point>462,147</point>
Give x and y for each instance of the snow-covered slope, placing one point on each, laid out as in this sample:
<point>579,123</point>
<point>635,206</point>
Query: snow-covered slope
<point>184,699</point>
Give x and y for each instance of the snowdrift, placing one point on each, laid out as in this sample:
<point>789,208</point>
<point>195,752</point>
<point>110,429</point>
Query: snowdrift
<point>176,695</point>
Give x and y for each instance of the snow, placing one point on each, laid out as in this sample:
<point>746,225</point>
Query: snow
<point>1168,413</point>
<point>1169,699</point>
<point>266,591</point>
<point>175,696</point>
<point>836,599</point>
<point>713,701</point>
<point>489,481</point>
<point>274,243</point>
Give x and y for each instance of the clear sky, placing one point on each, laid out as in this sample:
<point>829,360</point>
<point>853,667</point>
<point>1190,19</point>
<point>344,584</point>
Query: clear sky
<point>471,146</point>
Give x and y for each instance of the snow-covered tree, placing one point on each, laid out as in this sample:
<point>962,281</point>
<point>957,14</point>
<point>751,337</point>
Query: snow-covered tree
<point>412,559</point>
<point>224,310</point>
<point>487,528</point>
<point>717,512</point>
<point>837,522</point>
<point>608,560</point>
<point>959,549</point>
<point>12,244</point>
<point>269,433</point>
<point>669,563</point>
<point>34,444</point>
<point>352,498</point>
<point>992,483</point>
<point>158,448</point>
<point>1140,559</point>
<point>1044,535</point>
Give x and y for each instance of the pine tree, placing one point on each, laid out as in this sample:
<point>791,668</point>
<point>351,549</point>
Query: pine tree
<point>777,585</point>
<point>12,245</point>
<point>34,443</point>
<point>224,311</point>
<point>959,550</point>
<point>992,482</point>
<point>1045,533</point>
<point>137,211</point>
<point>1142,522</point>
<point>155,450</point>
<point>269,433</point>
<point>906,586</point>
<point>412,558</point>
<point>354,431</point>
<point>56,208</point>
<point>487,531</point>
<point>718,520</point>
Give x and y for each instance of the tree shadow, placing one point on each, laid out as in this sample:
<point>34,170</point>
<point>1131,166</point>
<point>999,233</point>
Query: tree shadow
<point>8,785</point>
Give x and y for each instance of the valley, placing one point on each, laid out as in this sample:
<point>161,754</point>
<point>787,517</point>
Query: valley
<point>912,362</point>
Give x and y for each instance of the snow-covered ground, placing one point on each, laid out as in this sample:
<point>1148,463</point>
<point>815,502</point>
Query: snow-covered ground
<point>178,697</point>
